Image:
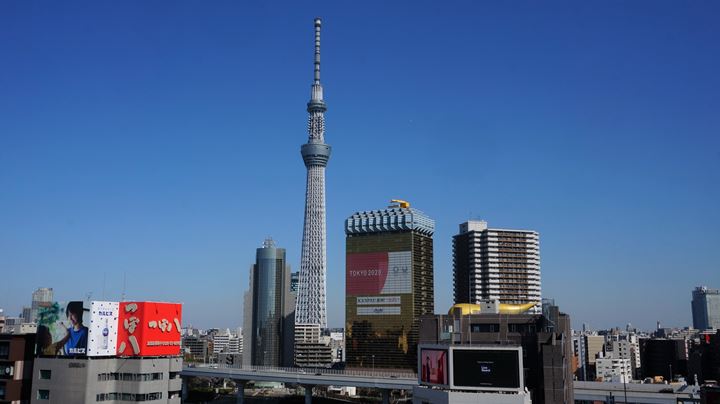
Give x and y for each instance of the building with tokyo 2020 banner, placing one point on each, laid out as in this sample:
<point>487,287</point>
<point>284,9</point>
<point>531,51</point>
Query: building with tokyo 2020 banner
<point>388,285</point>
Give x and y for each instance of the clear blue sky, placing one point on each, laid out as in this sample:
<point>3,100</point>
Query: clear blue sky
<point>161,140</point>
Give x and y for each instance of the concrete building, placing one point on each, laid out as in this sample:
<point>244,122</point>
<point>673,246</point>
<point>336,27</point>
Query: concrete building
<point>611,369</point>
<point>311,349</point>
<point>198,347</point>
<point>389,285</point>
<point>270,290</point>
<point>498,264</point>
<point>706,308</point>
<point>41,297</point>
<point>16,367</point>
<point>89,380</point>
<point>594,347</point>
<point>224,341</point>
<point>580,356</point>
<point>546,346</point>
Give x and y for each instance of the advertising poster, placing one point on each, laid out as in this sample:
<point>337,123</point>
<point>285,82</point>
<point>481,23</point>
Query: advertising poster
<point>486,368</point>
<point>103,328</point>
<point>434,366</point>
<point>61,329</point>
<point>149,329</point>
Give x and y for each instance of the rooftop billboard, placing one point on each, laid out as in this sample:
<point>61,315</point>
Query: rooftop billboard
<point>149,329</point>
<point>433,366</point>
<point>490,368</point>
<point>109,329</point>
<point>61,330</point>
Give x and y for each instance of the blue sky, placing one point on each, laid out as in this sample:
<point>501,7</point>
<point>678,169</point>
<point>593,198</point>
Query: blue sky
<point>159,142</point>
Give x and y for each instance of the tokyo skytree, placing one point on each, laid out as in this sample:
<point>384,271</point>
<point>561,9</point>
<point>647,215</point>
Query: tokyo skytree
<point>311,306</point>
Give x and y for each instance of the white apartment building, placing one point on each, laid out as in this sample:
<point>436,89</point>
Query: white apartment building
<point>612,369</point>
<point>498,264</point>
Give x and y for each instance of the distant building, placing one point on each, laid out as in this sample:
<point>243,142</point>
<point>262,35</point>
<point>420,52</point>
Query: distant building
<point>704,362</point>
<point>594,347</point>
<point>294,279</point>
<point>664,357</point>
<point>706,308</point>
<point>41,297</point>
<point>270,290</point>
<point>225,341</point>
<point>199,347</point>
<point>498,264</point>
<point>389,285</point>
<point>611,369</point>
<point>547,350</point>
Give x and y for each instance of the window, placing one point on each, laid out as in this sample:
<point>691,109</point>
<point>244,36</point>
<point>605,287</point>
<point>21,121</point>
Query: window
<point>485,328</point>
<point>45,374</point>
<point>4,350</point>
<point>43,394</point>
<point>2,390</point>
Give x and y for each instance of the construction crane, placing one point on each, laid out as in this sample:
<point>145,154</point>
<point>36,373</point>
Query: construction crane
<point>401,203</point>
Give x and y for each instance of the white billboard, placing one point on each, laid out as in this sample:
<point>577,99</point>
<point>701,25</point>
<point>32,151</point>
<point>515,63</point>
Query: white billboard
<point>103,328</point>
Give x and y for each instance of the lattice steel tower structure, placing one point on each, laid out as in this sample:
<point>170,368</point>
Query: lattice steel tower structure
<point>311,307</point>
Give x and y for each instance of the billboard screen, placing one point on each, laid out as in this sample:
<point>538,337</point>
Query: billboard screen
<point>103,329</point>
<point>487,368</point>
<point>378,273</point>
<point>433,366</point>
<point>61,330</point>
<point>149,329</point>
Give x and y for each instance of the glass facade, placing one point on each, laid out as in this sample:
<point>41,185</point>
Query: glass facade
<point>389,285</point>
<point>270,278</point>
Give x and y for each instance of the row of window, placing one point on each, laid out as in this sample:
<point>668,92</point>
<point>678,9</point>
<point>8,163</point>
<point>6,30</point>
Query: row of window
<point>133,377</point>
<point>128,397</point>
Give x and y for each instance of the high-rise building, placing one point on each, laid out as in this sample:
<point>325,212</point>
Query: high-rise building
<point>496,264</point>
<point>389,285</point>
<point>706,308</point>
<point>311,306</point>
<point>270,288</point>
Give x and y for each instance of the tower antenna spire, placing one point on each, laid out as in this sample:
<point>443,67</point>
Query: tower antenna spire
<point>318,25</point>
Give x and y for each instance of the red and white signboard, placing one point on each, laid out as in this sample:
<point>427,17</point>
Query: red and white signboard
<point>379,273</point>
<point>149,329</point>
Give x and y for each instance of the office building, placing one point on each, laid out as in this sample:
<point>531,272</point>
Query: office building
<point>90,380</point>
<point>498,264</point>
<point>706,308</point>
<point>270,289</point>
<point>389,285</point>
<point>545,342</point>
<point>16,367</point>
<point>311,306</point>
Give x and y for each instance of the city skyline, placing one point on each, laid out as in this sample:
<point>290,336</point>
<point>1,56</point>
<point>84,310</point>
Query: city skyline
<point>128,157</point>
